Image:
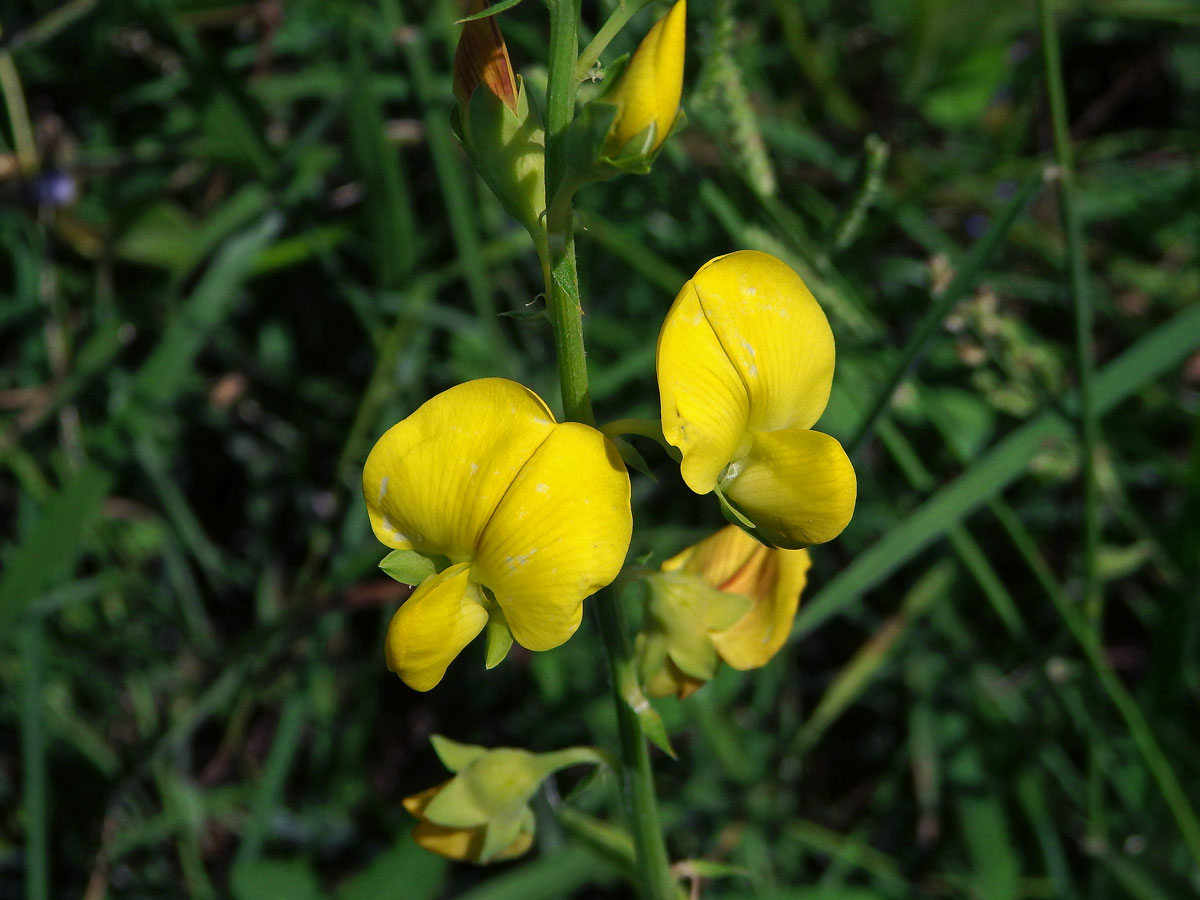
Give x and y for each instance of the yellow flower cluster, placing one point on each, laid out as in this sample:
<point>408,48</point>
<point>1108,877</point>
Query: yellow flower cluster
<point>522,517</point>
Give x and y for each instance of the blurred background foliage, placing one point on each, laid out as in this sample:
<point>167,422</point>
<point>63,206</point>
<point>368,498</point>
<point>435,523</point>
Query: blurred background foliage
<point>240,241</point>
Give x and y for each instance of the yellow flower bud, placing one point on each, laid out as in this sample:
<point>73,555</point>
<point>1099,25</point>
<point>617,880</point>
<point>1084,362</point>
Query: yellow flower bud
<point>648,92</point>
<point>745,365</point>
<point>482,58</point>
<point>499,129</point>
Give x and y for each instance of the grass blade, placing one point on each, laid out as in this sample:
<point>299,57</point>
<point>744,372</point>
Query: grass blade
<point>1153,355</point>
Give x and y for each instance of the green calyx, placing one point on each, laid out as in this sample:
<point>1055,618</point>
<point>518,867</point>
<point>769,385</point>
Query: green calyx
<point>508,148</point>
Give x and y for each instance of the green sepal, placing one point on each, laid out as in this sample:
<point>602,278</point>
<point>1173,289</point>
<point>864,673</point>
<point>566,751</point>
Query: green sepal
<point>508,149</point>
<point>456,805</point>
<point>632,458</point>
<point>654,730</point>
<point>455,756</point>
<point>685,609</point>
<point>587,156</point>
<point>648,718</point>
<point>499,638</point>
<point>503,830</point>
<point>735,516</point>
<point>412,567</point>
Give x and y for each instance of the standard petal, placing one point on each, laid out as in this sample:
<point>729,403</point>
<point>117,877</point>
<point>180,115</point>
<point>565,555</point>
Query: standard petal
<point>774,333</point>
<point>798,486</point>
<point>756,637</point>
<point>705,407</point>
<point>432,627</point>
<point>434,479</point>
<point>558,536</point>
<point>719,558</point>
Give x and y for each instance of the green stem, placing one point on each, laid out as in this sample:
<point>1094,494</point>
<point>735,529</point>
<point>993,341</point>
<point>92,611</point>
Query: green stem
<point>566,314</point>
<point>33,758</point>
<point>609,30</point>
<point>1089,426</point>
<point>18,114</point>
<point>637,779</point>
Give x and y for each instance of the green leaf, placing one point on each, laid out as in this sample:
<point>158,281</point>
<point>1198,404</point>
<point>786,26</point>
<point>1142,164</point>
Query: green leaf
<point>291,878</point>
<point>706,868</point>
<point>985,827</point>
<point>47,555</point>
<point>409,566</point>
<point>489,12</point>
<point>1156,353</point>
<point>551,877</point>
<point>421,873</point>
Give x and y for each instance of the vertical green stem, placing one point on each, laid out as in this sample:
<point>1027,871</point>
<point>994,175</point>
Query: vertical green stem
<point>33,761</point>
<point>1088,422</point>
<point>1093,603</point>
<point>562,289</point>
<point>566,314</point>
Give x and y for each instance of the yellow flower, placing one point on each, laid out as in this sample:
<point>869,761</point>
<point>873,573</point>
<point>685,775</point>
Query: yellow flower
<point>745,365</point>
<point>531,517</point>
<point>648,92</point>
<point>482,814</point>
<point>727,596</point>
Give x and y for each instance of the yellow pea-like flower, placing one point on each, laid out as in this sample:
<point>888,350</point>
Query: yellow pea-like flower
<point>745,365</point>
<point>649,90</point>
<point>531,515</point>
<point>726,597</point>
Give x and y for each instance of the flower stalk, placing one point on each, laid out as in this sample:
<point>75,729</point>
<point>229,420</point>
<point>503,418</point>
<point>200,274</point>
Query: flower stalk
<point>566,315</point>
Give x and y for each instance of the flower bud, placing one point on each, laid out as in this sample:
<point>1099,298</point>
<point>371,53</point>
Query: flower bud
<point>482,57</point>
<point>500,131</point>
<point>648,91</point>
<point>482,813</point>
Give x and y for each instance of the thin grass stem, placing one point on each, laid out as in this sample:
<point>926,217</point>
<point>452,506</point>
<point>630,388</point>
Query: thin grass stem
<point>33,761</point>
<point>1088,420</point>
<point>625,11</point>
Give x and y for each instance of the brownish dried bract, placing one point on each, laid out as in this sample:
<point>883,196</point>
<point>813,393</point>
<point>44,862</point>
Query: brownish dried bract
<point>482,57</point>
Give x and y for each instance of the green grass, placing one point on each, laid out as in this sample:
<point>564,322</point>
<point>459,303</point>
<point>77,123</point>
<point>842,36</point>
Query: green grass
<point>277,249</point>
